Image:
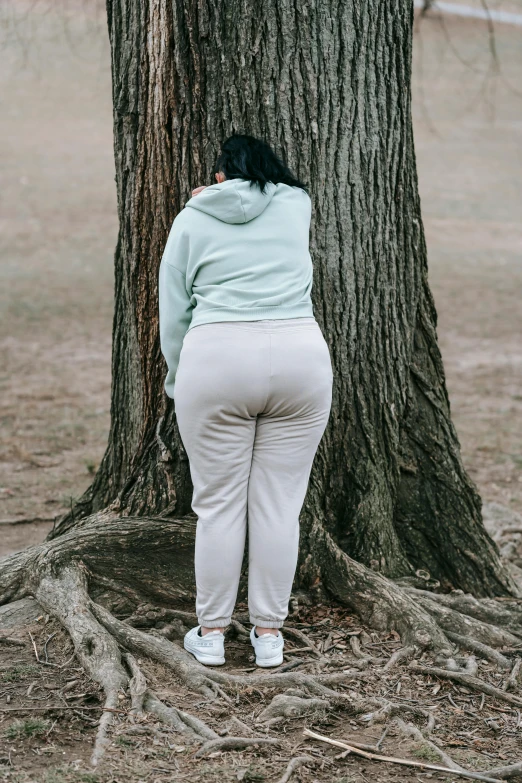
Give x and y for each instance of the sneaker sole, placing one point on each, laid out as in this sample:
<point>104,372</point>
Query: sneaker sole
<point>207,660</point>
<point>267,663</point>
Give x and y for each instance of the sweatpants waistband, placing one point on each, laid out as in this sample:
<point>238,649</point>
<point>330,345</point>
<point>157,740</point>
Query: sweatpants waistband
<point>262,325</point>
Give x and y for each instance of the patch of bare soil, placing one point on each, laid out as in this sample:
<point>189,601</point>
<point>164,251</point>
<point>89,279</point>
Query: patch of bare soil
<point>467,110</point>
<point>58,232</point>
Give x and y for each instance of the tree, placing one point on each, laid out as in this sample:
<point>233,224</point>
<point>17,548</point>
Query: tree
<point>390,506</point>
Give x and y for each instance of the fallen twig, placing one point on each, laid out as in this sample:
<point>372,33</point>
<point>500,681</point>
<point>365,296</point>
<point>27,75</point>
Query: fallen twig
<point>295,633</point>
<point>402,762</point>
<point>46,643</point>
<point>34,648</point>
<point>381,738</point>
<point>360,746</point>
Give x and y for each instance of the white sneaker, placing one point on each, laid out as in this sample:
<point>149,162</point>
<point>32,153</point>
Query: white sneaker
<point>208,649</point>
<point>268,648</point>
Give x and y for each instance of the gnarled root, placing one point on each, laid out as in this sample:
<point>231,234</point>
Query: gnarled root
<point>291,705</point>
<point>183,722</point>
<point>65,596</point>
<point>124,557</point>
<point>378,601</point>
<point>208,681</point>
<point>234,743</point>
<point>63,593</point>
<point>469,681</point>
<point>501,614</point>
<point>456,622</point>
<point>152,558</point>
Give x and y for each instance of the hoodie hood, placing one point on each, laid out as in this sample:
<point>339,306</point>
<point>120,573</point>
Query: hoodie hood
<point>233,201</point>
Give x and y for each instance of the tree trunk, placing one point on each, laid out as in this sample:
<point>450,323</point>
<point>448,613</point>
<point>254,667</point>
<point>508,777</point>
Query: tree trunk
<point>328,85</point>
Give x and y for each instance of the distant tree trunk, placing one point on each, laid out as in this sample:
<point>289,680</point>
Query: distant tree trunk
<point>426,6</point>
<point>328,84</point>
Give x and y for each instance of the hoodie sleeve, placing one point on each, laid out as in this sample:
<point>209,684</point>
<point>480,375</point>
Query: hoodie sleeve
<point>175,308</point>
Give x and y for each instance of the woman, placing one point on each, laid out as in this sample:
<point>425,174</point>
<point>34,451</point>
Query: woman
<point>251,378</point>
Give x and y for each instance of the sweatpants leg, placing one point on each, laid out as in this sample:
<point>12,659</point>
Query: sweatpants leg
<point>220,384</point>
<point>288,433</point>
<point>252,401</point>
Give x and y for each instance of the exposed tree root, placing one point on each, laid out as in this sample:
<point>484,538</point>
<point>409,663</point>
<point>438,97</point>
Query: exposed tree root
<point>295,633</point>
<point>409,730</point>
<point>511,682</point>
<point>10,641</point>
<point>380,603</point>
<point>504,613</point>
<point>506,773</point>
<point>234,720</point>
<point>291,705</point>
<point>484,650</point>
<point>234,743</point>
<point>296,762</point>
<point>403,654</point>
<point>107,554</point>
<point>152,558</point>
<point>208,681</point>
<point>137,685</point>
<point>469,681</point>
<point>379,710</point>
<point>180,721</point>
<point>363,659</point>
<point>65,596</point>
<point>19,613</point>
<point>456,622</point>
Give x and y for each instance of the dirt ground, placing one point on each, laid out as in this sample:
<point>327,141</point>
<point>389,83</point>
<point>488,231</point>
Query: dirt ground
<point>58,232</point>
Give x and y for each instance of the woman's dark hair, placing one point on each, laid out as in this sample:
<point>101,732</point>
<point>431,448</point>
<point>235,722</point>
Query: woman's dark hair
<point>245,157</point>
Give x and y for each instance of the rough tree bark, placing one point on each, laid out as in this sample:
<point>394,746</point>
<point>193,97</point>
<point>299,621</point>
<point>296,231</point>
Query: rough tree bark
<point>328,84</point>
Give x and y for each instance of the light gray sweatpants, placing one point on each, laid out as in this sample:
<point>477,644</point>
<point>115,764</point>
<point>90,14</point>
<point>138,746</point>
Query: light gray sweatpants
<point>252,400</point>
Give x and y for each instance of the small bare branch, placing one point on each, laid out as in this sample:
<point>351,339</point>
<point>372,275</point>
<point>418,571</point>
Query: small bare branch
<point>402,762</point>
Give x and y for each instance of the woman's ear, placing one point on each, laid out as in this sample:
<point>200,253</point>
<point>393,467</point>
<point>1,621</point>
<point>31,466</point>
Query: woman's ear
<point>220,177</point>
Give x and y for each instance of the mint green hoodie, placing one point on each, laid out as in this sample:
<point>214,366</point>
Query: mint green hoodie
<point>234,254</point>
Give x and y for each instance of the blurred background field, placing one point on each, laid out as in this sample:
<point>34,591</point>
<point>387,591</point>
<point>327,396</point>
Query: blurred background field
<point>59,228</point>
